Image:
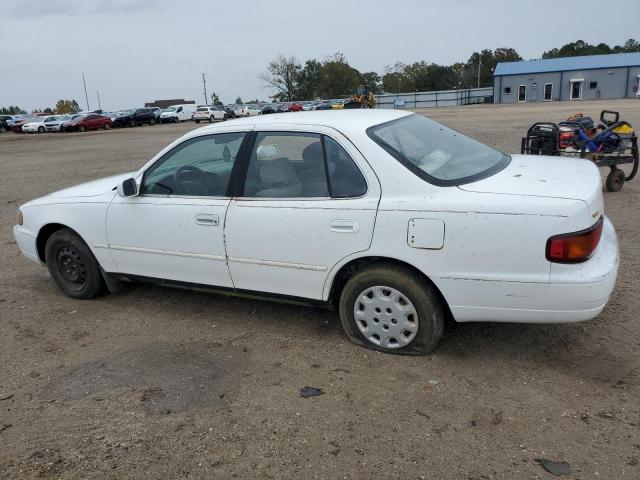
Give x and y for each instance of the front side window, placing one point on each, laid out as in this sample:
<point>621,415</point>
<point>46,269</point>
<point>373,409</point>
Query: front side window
<point>436,153</point>
<point>198,167</point>
<point>286,165</point>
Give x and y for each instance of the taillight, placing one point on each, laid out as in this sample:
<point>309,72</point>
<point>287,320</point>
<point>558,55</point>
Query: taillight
<point>575,247</point>
<point>20,217</point>
<point>565,139</point>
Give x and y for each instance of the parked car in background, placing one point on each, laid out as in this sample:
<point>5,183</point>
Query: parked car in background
<point>9,120</point>
<point>229,110</point>
<point>526,236</point>
<point>322,106</point>
<point>178,113</point>
<point>269,108</point>
<point>135,117</point>
<point>4,126</point>
<point>157,112</point>
<point>42,124</point>
<point>208,113</point>
<point>337,104</point>
<point>92,121</point>
<point>246,111</point>
<point>295,107</point>
<point>20,120</point>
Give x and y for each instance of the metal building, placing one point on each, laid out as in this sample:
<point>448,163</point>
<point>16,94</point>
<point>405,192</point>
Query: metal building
<point>570,78</point>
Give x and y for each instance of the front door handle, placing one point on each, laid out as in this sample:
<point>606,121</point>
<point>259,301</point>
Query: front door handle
<point>344,226</point>
<point>208,219</point>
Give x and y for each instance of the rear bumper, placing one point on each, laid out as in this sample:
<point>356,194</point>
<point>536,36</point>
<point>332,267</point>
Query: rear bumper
<point>575,292</point>
<point>26,242</point>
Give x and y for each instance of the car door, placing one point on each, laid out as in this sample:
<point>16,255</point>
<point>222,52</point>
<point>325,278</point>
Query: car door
<point>297,215</point>
<point>174,228</point>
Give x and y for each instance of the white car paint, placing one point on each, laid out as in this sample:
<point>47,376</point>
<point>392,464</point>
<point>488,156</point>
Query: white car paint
<point>482,244</point>
<point>43,124</point>
<point>204,114</point>
<point>178,113</point>
<point>246,111</point>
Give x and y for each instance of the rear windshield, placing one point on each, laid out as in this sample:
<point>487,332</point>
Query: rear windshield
<point>436,153</point>
<point>203,109</point>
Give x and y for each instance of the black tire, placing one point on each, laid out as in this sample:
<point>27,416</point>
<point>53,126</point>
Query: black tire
<point>107,126</point>
<point>197,121</point>
<point>211,119</point>
<point>81,128</point>
<point>41,129</point>
<point>423,296</point>
<point>225,118</point>
<point>132,123</point>
<point>176,119</point>
<point>2,129</point>
<point>615,180</point>
<point>72,265</point>
<point>152,121</point>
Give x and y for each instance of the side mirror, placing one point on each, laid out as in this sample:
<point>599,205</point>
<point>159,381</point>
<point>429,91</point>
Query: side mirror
<point>128,188</point>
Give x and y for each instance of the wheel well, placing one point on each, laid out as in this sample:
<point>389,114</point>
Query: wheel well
<point>43,235</point>
<point>348,270</point>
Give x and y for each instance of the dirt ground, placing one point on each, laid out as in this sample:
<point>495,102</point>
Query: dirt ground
<point>162,383</point>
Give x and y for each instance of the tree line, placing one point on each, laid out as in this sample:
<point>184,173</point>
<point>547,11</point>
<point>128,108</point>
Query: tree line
<point>333,77</point>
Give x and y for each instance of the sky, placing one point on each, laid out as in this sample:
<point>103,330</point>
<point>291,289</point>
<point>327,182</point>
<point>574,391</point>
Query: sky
<point>136,51</point>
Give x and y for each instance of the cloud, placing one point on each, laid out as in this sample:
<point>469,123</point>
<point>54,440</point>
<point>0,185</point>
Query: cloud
<point>33,9</point>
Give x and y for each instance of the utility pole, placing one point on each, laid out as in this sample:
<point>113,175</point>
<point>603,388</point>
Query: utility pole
<point>99,106</point>
<point>479,67</point>
<point>204,85</point>
<point>86,97</point>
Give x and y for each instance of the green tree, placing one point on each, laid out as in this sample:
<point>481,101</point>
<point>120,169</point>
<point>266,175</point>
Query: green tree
<point>394,79</point>
<point>282,77</point>
<point>67,106</point>
<point>308,81</point>
<point>372,80</point>
<point>239,101</point>
<point>215,100</point>
<point>338,78</point>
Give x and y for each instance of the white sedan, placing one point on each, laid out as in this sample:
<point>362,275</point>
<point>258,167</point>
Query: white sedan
<point>51,123</point>
<point>246,111</point>
<point>208,114</point>
<point>392,218</point>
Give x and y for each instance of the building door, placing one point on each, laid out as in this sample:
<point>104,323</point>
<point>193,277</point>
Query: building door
<point>548,92</point>
<point>576,89</point>
<point>522,93</point>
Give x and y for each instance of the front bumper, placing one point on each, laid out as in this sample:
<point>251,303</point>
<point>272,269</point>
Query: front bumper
<point>574,293</point>
<point>26,241</point>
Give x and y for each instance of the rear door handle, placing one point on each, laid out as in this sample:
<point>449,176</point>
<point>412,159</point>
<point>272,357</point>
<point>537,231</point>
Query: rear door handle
<point>344,226</point>
<point>208,219</point>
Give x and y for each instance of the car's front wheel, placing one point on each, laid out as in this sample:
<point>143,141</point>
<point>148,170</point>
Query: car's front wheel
<point>72,265</point>
<point>391,309</point>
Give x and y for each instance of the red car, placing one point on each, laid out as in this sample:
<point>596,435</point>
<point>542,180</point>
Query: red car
<point>295,107</point>
<point>93,121</point>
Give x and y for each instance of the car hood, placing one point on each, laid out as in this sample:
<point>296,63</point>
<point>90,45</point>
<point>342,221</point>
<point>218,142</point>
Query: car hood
<point>92,188</point>
<point>544,176</point>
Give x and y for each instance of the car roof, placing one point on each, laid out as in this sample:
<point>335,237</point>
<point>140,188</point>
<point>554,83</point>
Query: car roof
<point>341,120</point>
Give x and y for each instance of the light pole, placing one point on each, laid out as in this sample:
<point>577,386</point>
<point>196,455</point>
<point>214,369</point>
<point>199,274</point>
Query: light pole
<point>98,94</point>
<point>86,97</point>
<point>204,85</point>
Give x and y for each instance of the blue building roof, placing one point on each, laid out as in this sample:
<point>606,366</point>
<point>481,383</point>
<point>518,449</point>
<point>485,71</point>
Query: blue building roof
<point>588,62</point>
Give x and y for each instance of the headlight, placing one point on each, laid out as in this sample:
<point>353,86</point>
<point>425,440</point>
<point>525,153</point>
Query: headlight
<point>20,217</point>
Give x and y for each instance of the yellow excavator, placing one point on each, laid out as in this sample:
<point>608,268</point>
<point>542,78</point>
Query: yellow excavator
<point>362,98</point>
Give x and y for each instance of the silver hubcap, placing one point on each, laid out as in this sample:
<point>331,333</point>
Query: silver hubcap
<point>386,317</point>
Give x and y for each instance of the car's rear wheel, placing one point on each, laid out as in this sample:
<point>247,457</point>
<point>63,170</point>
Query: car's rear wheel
<point>615,180</point>
<point>152,121</point>
<point>211,119</point>
<point>197,121</point>
<point>2,129</point>
<point>175,120</point>
<point>81,128</point>
<point>132,123</point>
<point>107,126</point>
<point>72,265</point>
<point>392,309</point>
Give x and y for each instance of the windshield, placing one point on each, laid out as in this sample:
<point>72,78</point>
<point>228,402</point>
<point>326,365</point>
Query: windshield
<point>437,153</point>
<point>170,109</point>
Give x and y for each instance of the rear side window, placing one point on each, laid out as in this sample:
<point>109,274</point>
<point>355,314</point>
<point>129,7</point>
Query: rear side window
<point>436,153</point>
<point>345,178</point>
